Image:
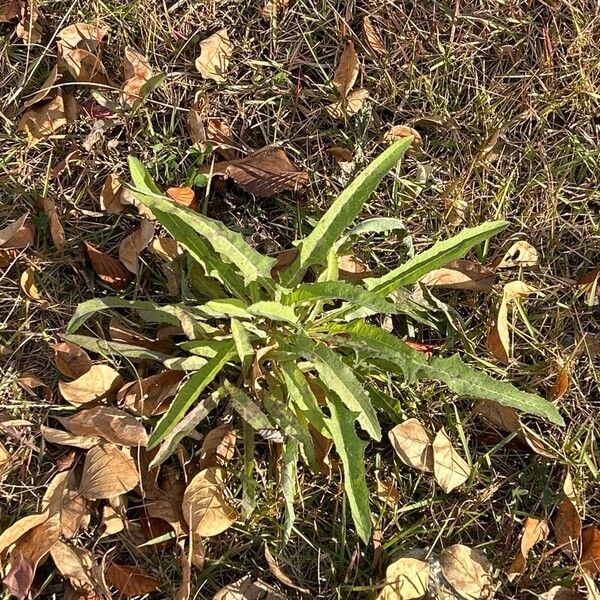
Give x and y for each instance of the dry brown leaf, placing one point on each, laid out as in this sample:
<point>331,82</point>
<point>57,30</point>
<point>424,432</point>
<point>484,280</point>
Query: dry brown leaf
<point>461,275</point>
<point>44,120</point>
<point>85,66</point>
<point>64,438</point>
<point>74,564</point>
<point>30,383</point>
<point>352,268</point>
<point>137,72</point>
<point>346,72</point>
<point>218,447</point>
<point>215,52</point>
<point>10,10</point>
<point>80,35</point>
<point>130,580</point>
<point>184,591</point>
<point>388,492</point>
<point>413,444</point>
<point>449,468</point>
<point>109,423</point>
<point>246,589</point>
<point>114,197</point>
<point>205,507</point>
<point>590,550</point>
<point>62,497</point>
<point>348,106</point>
<point>520,254</point>
<point>563,382</point>
<point>108,269</point>
<point>71,360</point>
<point>184,196</point>
<point>46,88</point>
<point>567,527</point>
<point>56,229</point>
<point>27,282</point>
<point>7,462</point>
<point>152,395</point>
<point>134,243</point>
<point>559,592</point>
<point>98,382</point>
<point>112,521</point>
<point>279,574</point>
<point>467,571</point>
<point>589,277</point>
<point>17,234</point>
<point>166,248</point>
<point>372,37</point>
<point>107,472</point>
<point>341,154</point>
<point>399,132</point>
<point>28,28</point>
<point>214,133</point>
<point>405,579</point>
<point>534,531</point>
<point>19,528</point>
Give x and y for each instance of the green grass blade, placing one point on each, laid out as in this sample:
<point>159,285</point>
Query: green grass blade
<point>435,257</point>
<point>351,450</point>
<point>110,349</point>
<point>188,393</point>
<point>289,475</point>
<point>314,248</point>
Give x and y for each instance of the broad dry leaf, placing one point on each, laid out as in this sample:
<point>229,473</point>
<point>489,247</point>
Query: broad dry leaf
<point>246,589</point>
<point>346,72</point>
<point>64,438</point>
<point>567,527</point>
<point>134,243</point>
<point>44,120</point>
<point>80,35</point>
<point>399,132</point>
<point>372,37</point>
<point>520,254</point>
<point>348,106</point>
<point>352,268</point>
<point>166,248</point>
<point>184,196</point>
<point>590,550</point>
<point>137,72</point>
<point>107,472</point>
<point>108,269</point>
<point>558,592</point>
<point>197,550</point>
<point>277,572</point>
<point>46,88</point>
<point>130,580</point>
<point>467,571</point>
<point>449,468</point>
<point>30,383</point>
<point>10,10</point>
<point>534,531</point>
<point>461,275</point>
<point>27,282</point>
<point>112,521</point>
<point>112,424</point>
<point>85,67</point>
<point>212,132</point>
<point>71,360</point>
<point>205,507</point>
<point>405,579</point>
<point>62,497</point>
<point>28,28</point>
<point>413,444</point>
<point>215,52</point>
<point>19,528</point>
<point>388,492</point>
<point>56,229</point>
<point>152,395</point>
<point>98,382</point>
<point>589,277</point>
<point>75,564</point>
<point>18,234</point>
<point>218,446</point>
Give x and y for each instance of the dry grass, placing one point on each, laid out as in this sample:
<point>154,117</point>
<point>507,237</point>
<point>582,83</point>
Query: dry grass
<point>527,71</point>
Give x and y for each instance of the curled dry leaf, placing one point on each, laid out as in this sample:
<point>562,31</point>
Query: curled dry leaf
<point>44,120</point>
<point>112,424</point>
<point>85,66</point>
<point>534,531</point>
<point>348,106</point>
<point>218,446</point>
<point>98,382</point>
<point>449,468</point>
<point>372,37</point>
<point>590,550</point>
<point>114,197</point>
<point>30,383</point>
<point>246,589</point>
<point>18,234</point>
<point>108,269</point>
<point>589,277</point>
<point>64,438</point>
<point>75,564</point>
<point>71,360</point>
<point>467,571</point>
<point>215,52</point>
<point>80,35</point>
<point>520,254</point>
<point>130,580</point>
<point>137,72</point>
<point>152,395</point>
<point>46,88</point>
<point>27,282</point>
<point>107,472</point>
<point>264,173</point>
<point>413,444</point>
<point>399,132</point>
<point>56,229</point>
<point>134,243</point>
<point>205,507</point>
<point>346,72</point>
<point>405,579</point>
<point>279,574</point>
<point>461,275</point>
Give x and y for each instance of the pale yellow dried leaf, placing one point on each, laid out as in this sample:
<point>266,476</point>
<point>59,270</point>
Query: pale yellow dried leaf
<point>567,527</point>
<point>272,8</point>
<point>215,52</point>
<point>278,573</point>
<point>449,468</point>
<point>461,275</point>
<point>534,531</point>
<point>405,579</point>
<point>42,121</point>
<point>100,381</point>
<point>80,35</point>
<point>74,564</point>
<point>107,472</point>
<point>137,71</point>
<point>520,254</point>
<point>205,507</point>
<point>166,248</point>
<point>112,521</point>
<point>413,444</point>
<point>346,72</point>
<point>218,447</point>
<point>110,194</point>
<point>27,282</point>
<point>399,132</point>
<point>372,37</point>
<point>85,66</point>
<point>131,246</point>
<point>467,571</point>
<point>19,528</point>
<point>387,492</point>
<point>64,438</point>
<point>246,589</point>
<point>348,106</point>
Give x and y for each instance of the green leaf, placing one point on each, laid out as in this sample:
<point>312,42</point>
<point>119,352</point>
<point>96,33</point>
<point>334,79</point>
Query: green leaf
<point>111,349</point>
<point>205,348</point>
<point>339,378</point>
<point>185,363</point>
<point>440,254</point>
<point>289,475</point>
<point>314,248</point>
<point>141,178</point>
<point>466,381</point>
<point>339,290</point>
<point>243,345</point>
<point>273,311</point>
<point>247,408</point>
<point>188,393</point>
<point>225,308</point>
<point>351,450</point>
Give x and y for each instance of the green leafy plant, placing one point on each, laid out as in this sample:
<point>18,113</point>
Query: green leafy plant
<point>296,351</point>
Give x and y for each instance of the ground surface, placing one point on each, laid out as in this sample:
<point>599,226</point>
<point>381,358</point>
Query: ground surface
<point>521,78</point>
